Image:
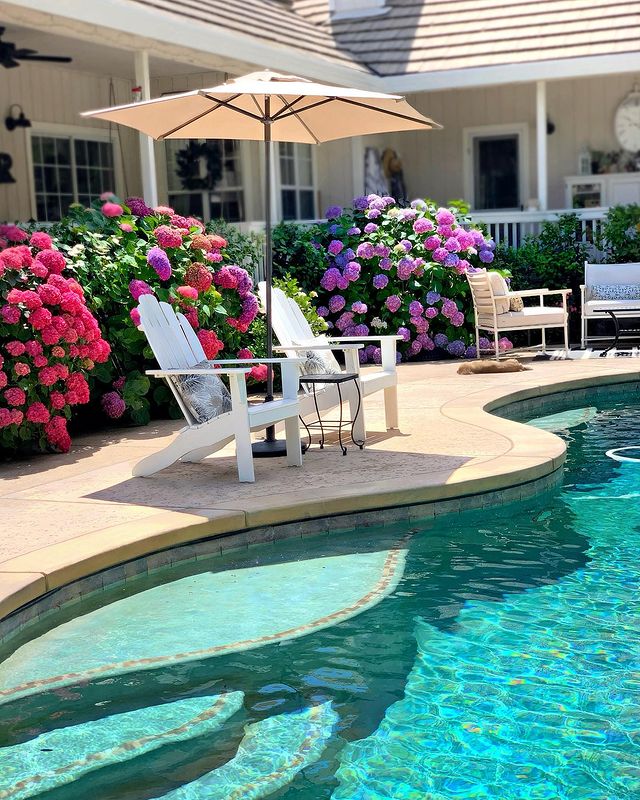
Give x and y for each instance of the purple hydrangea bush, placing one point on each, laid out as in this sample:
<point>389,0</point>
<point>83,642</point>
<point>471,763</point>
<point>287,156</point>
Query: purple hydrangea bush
<point>394,270</point>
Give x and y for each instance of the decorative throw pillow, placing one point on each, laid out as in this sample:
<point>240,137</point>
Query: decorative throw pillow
<point>500,289</point>
<point>205,396</point>
<point>615,291</point>
<point>516,304</point>
<point>319,362</point>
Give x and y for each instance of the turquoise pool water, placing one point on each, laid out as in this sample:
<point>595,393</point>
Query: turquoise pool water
<point>481,655</point>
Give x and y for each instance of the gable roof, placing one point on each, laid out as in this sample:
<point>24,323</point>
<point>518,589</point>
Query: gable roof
<point>422,36</point>
<point>270,21</point>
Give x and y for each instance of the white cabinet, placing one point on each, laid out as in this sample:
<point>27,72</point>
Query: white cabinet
<point>593,191</point>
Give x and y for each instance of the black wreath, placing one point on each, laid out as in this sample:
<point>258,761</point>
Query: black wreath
<point>188,165</point>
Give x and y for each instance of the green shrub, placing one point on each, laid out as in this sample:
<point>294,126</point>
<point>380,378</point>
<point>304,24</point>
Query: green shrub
<point>296,253</point>
<point>620,237</point>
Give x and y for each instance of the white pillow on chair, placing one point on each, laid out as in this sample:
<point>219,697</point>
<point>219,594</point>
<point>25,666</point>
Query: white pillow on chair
<point>500,290</point>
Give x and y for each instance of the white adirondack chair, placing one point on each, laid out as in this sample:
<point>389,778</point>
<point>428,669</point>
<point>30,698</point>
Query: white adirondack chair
<point>177,350</point>
<point>296,337</point>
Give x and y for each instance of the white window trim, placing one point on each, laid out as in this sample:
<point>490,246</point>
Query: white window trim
<point>278,185</point>
<point>72,131</point>
<point>521,130</point>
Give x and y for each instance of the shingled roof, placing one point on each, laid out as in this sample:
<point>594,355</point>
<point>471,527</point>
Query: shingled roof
<point>271,21</point>
<point>418,36</point>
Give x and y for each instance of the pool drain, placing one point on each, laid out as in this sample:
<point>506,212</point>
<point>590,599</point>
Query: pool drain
<point>622,453</point>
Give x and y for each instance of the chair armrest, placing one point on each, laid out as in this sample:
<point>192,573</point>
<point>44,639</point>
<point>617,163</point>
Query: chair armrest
<point>364,338</point>
<point>565,292</point>
<point>281,361</point>
<point>304,347</point>
<point>526,293</point>
<point>164,373</point>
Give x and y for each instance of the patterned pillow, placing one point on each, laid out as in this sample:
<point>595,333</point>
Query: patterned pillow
<point>205,396</point>
<point>316,363</point>
<point>615,291</point>
<point>516,304</point>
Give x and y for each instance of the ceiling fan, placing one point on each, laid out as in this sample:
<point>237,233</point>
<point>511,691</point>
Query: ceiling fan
<point>11,56</point>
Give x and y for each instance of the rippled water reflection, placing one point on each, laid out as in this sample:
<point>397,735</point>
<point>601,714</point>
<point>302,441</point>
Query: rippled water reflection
<point>504,665</point>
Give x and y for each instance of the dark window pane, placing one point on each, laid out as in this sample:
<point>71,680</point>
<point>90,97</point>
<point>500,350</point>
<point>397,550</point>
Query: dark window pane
<point>65,202</point>
<point>48,151</point>
<point>52,210</point>
<point>83,179</point>
<point>50,179</point>
<point>38,174</point>
<point>95,181</point>
<point>64,180</point>
<point>496,172</point>
<point>84,199</point>
<point>63,150</point>
<point>287,172</point>
<point>106,154</point>
<point>93,151</point>
<point>81,151</point>
<point>187,204</point>
<point>307,210</point>
<point>36,149</point>
<point>41,208</point>
<point>289,210</point>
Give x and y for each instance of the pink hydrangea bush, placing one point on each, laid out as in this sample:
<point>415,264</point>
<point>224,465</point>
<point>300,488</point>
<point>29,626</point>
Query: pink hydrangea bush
<point>124,250</point>
<point>401,271</point>
<point>49,343</point>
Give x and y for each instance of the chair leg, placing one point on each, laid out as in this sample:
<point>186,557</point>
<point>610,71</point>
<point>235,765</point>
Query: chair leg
<point>183,443</point>
<point>497,345</point>
<point>544,341</point>
<point>390,410</point>
<point>294,445</point>
<point>244,454</point>
<point>566,337</point>
<point>583,343</point>
<point>477,342</point>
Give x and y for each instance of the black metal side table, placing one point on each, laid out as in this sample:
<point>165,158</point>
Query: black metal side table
<point>338,379</point>
<point>613,313</point>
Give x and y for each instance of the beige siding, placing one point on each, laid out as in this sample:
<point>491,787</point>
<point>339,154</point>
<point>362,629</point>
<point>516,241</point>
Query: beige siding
<point>49,94</point>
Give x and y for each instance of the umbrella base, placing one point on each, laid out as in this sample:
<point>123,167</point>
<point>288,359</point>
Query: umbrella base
<point>271,449</point>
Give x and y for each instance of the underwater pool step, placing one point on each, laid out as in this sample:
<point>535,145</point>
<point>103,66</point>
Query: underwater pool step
<point>61,756</point>
<point>272,752</point>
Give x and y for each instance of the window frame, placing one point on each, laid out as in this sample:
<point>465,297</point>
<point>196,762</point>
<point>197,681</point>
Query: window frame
<point>297,186</point>
<point>243,160</point>
<point>72,132</point>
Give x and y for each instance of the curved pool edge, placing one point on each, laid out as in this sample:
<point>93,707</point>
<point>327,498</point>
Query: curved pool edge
<point>530,464</point>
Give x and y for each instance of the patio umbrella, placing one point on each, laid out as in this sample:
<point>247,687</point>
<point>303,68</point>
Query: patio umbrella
<point>269,107</point>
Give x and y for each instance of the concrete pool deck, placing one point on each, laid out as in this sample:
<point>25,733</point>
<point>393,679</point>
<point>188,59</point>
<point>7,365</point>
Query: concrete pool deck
<point>67,516</point>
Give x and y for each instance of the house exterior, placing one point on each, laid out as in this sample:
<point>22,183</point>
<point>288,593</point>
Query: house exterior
<point>533,97</point>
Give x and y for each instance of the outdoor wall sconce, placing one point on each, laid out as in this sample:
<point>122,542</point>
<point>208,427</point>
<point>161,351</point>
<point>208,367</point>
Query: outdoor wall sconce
<point>5,165</point>
<point>20,121</point>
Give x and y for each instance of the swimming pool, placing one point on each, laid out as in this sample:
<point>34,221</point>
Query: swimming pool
<point>491,654</point>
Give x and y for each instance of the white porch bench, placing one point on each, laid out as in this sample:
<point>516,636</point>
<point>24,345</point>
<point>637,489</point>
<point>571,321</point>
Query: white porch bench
<point>605,278</point>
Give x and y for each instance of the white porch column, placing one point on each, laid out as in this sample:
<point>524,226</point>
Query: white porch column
<point>541,143</point>
<point>357,165</point>
<point>147,148</point>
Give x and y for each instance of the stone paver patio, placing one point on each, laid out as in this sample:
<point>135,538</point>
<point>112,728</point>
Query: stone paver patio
<point>67,516</point>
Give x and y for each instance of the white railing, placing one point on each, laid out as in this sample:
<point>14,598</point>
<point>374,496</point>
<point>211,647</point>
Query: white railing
<point>511,227</point>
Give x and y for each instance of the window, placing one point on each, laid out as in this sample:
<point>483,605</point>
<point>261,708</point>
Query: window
<point>69,169</point>
<point>205,179</point>
<point>496,166</point>
<point>296,181</point>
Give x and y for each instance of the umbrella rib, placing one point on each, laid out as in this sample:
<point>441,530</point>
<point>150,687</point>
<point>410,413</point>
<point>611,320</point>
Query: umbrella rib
<point>428,123</point>
<point>294,112</point>
<point>229,104</point>
<point>193,119</point>
<point>286,106</point>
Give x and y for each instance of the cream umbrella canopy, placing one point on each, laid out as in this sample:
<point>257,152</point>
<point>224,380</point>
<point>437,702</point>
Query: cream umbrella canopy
<point>269,107</point>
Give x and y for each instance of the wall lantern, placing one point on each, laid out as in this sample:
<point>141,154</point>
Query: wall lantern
<point>20,121</point>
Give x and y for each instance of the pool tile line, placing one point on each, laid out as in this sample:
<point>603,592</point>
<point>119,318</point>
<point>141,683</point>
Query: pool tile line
<point>390,574</point>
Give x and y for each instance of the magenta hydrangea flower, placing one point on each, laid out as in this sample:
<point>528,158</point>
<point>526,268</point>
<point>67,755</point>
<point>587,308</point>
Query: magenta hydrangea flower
<point>484,343</point>
<point>415,347</point>
<point>432,297</point>
<point>445,231</point>
<point>335,247</point>
<point>381,250</point>
<point>352,271</point>
<point>415,308</point>
<point>113,405</point>
<point>465,238</point>
<point>360,203</point>
<point>423,225</point>
<point>426,341</point>
<point>336,303</point>
<point>158,259</point>
<point>457,319</point>
<point>440,254</point>
<point>385,263</point>
<point>452,245</point>
<point>380,281</point>
<point>365,250</point>
<point>432,242</point>
<point>393,303</point>
<point>407,214</point>
<point>420,324</point>
<point>373,213</point>
<point>344,321</point>
<point>138,288</point>
<point>405,333</point>
<point>406,244</point>
<point>322,311</point>
<point>354,231</point>
<point>333,212</point>
<point>376,356</point>
<point>359,307</point>
<point>478,237</point>
<point>452,260</point>
<point>405,269</point>
<point>431,312</point>
<point>342,282</point>
<point>360,330</point>
<point>329,280</point>
<point>444,217</point>
<point>370,227</point>
<point>449,307</point>
<point>463,265</point>
<point>505,344</point>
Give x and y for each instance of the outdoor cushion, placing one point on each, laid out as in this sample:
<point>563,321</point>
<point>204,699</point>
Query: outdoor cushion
<point>516,304</point>
<point>500,289</point>
<point>319,362</point>
<point>615,291</point>
<point>591,306</point>
<point>530,316</point>
<point>205,396</point>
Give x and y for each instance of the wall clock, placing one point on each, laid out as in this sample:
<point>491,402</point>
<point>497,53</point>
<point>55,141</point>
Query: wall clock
<point>627,122</point>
